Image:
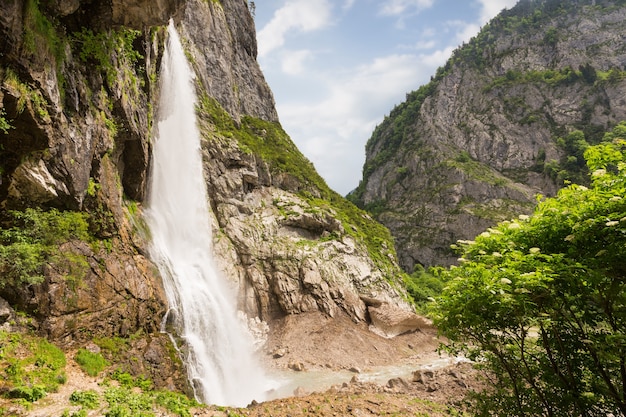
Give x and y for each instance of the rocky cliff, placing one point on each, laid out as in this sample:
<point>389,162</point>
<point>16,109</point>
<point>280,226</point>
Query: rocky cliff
<point>505,119</point>
<point>78,85</point>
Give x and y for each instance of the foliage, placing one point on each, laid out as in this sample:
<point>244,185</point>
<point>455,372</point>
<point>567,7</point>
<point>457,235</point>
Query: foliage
<point>29,239</point>
<point>32,366</point>
<point>91,363</point>
<point>26,94</point>
<point>423,286</point>
<point>106,49</point>
<point>550,77</point>
<point>87,399</point>
<point>540,302</point>
<point>126,401</point>
<point>4,123</point>
<point>40,34</point>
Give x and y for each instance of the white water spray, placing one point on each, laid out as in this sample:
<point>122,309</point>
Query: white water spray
<point>218,349</point>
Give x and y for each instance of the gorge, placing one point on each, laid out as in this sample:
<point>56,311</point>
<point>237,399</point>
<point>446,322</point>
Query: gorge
<point>108,239</point>
<point>81,83</point>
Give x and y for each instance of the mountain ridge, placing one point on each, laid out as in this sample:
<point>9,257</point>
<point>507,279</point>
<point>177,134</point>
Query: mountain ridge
<point>495,126</point>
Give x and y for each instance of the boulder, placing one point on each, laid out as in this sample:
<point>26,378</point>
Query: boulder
<point>390,320</point>
<point>6,312</point>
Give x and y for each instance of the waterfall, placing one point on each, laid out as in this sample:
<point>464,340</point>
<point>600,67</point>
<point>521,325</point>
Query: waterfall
<point>217,348</point>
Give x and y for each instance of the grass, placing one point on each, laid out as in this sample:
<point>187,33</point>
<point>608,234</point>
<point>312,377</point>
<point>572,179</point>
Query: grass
<point>91,363</point>
<point>32,366</point>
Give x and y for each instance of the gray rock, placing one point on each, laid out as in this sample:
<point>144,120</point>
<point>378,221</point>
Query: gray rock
<point>471,155</point>
<point>6,312</point>
<point>390,320</point>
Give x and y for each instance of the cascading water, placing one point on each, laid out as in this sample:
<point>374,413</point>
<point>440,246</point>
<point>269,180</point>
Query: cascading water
<point>217,347</point>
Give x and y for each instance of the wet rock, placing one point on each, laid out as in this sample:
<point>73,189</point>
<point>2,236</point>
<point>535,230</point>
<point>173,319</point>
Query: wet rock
<point>397,384</point>
<point>297,366</point>
<point>423,376</point>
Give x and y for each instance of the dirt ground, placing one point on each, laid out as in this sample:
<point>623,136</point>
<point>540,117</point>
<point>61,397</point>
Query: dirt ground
<point>311,342</point>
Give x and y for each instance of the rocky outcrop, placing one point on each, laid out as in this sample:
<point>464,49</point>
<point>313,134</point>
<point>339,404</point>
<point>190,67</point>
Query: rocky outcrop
<point>288,254</point>
<point>390,321</point>
<point>78,81</point>
<point>481,140</point>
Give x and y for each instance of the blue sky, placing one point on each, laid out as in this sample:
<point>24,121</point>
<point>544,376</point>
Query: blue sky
<point>337,67</point>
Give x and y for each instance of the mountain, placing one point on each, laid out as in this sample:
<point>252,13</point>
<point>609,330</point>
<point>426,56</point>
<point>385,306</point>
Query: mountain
<point>79,82</point>
<point>507,118</point>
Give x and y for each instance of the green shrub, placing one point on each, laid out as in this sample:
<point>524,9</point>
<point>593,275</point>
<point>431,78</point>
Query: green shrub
<point>91,363</point>
<point>32,240</point>
<point>539,302</point>
<point>87,399</point>
<point>30,394</point>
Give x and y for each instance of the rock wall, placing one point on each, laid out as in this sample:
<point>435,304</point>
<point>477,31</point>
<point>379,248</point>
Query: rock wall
<point>480,141</point>
<point>78,85</point>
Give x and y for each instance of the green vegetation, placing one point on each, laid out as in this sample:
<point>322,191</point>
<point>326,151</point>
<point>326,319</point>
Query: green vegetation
<point>26,94</point>
<point>553,78</point>
<point>108,50</point>
<point>87,399</point>
<point>476,170</point>
<point>4,123</point>
<point>31,366</point>
<point>423,286</point>
<point>91,363</point>
<point>540,302</point>
<point>30,239</point>
<point>40,35</point>
<point>126,401</point>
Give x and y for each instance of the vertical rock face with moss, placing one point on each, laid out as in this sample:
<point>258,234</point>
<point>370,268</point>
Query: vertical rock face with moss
<point>290,243</point>
<point>507,117</point>
<point>78,82</point>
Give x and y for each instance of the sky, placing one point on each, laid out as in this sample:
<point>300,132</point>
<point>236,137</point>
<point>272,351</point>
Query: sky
<point>337,67</point>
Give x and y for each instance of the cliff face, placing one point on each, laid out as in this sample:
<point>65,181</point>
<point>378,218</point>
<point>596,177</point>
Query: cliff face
<point>497,125</point>
<point>78,83</point>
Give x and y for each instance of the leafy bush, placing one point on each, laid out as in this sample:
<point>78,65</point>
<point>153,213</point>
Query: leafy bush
<point>423,286</point>
<point>540,302</point>
<point>33,239</point>
<point>30,394</point>
<point>87,399</point>
<point>91,363</point>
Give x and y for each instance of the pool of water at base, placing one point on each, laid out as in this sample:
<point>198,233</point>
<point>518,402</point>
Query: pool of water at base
<point>286,382</point>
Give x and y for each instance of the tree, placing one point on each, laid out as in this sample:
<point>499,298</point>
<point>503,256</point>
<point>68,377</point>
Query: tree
<point>540,302</point>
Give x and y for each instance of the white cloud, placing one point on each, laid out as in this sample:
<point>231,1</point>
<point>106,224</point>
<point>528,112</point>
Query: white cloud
<point>397,7</point>
<point>332,131</point>
<point>348,4</point>
<point>425,44</point>
<point>463,30</point>
<point>490,8</point>
<point>295,15</point>
<point>293,61</point>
